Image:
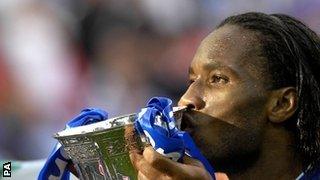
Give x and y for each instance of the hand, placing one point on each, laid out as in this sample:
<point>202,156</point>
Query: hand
<point>152,165</point>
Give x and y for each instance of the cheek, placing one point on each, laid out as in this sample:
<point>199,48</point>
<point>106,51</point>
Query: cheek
<point>241,107</point>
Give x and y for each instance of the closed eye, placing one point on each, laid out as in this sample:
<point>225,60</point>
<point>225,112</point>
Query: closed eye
<point>190,81</point>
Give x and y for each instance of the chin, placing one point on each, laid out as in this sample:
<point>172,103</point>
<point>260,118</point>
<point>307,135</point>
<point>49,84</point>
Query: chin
<point>232,148</point>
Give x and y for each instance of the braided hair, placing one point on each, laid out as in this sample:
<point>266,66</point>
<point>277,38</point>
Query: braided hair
<point>293,54</point>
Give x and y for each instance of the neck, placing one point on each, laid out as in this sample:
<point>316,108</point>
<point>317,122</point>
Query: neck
<point>276,159</point>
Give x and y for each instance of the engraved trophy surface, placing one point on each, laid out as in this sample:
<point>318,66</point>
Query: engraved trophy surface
<point>99,150</point>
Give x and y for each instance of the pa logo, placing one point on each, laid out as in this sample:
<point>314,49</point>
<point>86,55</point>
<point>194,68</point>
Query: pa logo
<point>6,169</point>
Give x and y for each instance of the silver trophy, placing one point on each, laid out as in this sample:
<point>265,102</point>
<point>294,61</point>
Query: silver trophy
<point>101,150</point>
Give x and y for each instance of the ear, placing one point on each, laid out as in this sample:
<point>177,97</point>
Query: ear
<point>282,104</point>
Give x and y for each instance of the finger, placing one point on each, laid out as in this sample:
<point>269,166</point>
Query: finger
<point>221,176</point>
<point>158,161</point>
<point>143,166</point>
<point>194,162</point>
<point>135,158</point>
<point>166,165</point>
<point>191,161</point>
<point>174,169</point>
<point>141,176</point>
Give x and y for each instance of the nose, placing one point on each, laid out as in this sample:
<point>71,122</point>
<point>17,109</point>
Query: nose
<point>192,98</point>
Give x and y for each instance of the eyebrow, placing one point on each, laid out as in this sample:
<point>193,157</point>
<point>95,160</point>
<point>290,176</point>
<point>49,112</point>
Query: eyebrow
<point>215,65</point>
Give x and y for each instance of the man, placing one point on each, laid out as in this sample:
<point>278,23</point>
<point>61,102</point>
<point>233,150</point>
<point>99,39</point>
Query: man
<point>254,100</point>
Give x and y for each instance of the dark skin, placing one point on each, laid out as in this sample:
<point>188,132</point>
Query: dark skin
<point>236,118</point>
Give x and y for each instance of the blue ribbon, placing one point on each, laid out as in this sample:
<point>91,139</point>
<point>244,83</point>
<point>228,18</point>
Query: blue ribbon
<point>57,162</point>
<point>157,122</point>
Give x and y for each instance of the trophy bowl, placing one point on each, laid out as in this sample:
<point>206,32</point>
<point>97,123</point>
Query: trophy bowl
<point>101,150</point>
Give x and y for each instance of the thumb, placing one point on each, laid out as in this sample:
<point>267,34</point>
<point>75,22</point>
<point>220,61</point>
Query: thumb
<point>194,162</point>
<point>191,161</point>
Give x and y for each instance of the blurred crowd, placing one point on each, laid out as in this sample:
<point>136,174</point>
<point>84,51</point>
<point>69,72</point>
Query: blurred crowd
<point>58,57</point>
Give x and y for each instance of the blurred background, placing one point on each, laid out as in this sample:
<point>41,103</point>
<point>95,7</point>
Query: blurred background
<point>60,56</point>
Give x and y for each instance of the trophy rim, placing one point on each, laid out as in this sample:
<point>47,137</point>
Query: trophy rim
<point>101,126</point>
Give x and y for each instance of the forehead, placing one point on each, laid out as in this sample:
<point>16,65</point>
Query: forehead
<point>233,47</point>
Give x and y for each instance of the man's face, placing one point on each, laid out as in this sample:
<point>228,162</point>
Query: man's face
<point>228,93</point>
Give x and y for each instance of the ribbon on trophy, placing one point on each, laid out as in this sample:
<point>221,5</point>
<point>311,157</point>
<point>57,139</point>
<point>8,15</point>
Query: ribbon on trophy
<point>157,123</point>
<point>57,163</point>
